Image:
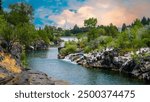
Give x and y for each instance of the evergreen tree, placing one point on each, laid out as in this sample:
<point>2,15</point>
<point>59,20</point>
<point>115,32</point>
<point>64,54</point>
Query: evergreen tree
<point>137,23</point>
<point>114,30</point>
<point>144,21</point>
<point>148,20</point>
<point>76,29</point>
<point>124,27</point>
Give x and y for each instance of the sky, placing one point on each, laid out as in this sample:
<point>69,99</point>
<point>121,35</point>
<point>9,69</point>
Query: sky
<point>67,13</point>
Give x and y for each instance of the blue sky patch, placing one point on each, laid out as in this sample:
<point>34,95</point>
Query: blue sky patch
<point>50,7</point>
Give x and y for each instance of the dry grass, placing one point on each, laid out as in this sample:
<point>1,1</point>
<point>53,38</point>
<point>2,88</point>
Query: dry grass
<point>2,75</point>
<point>9,63</point>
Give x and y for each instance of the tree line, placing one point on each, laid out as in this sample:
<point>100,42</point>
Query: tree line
<point>98,37</point>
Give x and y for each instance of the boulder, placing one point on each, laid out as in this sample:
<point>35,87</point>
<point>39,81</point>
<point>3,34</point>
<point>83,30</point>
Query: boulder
<point>31,78</point>
<point>16,51</point>
<point>40,45</point>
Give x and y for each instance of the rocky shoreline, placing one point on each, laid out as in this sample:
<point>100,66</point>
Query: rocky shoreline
<point>134,64</point>
<point>12,72</point>
<point>30,77</point>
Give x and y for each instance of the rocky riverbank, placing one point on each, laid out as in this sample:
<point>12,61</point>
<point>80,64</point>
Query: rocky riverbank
<point>12,71</point>
<point>38,45</point>
<point>135,64</point>
<point>30,77</point>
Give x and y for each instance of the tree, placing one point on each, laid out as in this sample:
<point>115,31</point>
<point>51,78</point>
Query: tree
<point>124,27</point>
<point>7,33</point>
<point>101,31</point>
<point>25,33</point>
<point>49,32</point>
<point>3,24</point>
<point>0,5</point>
<point>148,20</point>
<point>93,34</point>
<point>145,36</point>
<point>90,23</point>
<point>113,30</point>
<point>43,36</point>
<point>20,13</point>
<point>76,29</point>
<point>144,21</point>
<point>137,23</point>
<point>1,8</point>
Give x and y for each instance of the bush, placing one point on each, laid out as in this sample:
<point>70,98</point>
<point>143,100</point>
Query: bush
<point>87,49</point>
<point>69,49</point>
<point>24,58</point>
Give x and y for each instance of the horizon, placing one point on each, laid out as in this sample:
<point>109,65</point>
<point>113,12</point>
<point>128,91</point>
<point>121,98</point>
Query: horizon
<point>67,13</point>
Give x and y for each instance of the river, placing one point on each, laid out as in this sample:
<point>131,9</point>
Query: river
<point>46,61</point>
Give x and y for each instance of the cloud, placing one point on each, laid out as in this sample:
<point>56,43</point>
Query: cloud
<point>106,11</point>
<point>41,17</point>
<point>69,19</point>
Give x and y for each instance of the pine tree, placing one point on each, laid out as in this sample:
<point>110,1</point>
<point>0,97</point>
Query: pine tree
<point>148,20</point>
<point>144,21</point>
<point>124,27</point>
<point>137,23</point>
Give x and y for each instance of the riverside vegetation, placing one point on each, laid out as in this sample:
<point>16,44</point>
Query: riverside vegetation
<point>125,50</point>
<point>18,35</point>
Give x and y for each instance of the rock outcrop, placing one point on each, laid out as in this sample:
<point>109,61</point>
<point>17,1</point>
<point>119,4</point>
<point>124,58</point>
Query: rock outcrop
<point>134,64</point>
<point>13,73</point>
<point>30,78</point>
<point>38,45</point>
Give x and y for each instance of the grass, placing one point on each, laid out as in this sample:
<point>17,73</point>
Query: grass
<point>2,75</point>
<point>9,63</point>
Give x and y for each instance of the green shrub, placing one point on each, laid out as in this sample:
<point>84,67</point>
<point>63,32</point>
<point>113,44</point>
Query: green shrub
<point>69,49</point>
<point>87,49</point>
<point>24,59</point>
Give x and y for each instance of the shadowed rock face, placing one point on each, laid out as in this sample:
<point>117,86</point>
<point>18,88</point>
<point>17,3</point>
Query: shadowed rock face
<point>38,45</point>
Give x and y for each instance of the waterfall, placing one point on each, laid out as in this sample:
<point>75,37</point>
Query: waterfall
<point>67,59</point>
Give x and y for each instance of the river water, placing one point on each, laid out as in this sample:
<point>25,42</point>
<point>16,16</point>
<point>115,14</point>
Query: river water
<point>46,61</point>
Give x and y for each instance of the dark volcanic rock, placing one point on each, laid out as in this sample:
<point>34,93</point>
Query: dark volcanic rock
<point>109,59</point>
<point>129,66</point>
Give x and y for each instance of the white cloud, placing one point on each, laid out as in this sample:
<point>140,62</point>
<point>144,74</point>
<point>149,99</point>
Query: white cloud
<point>106,11</point>
<point>42,14</point>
